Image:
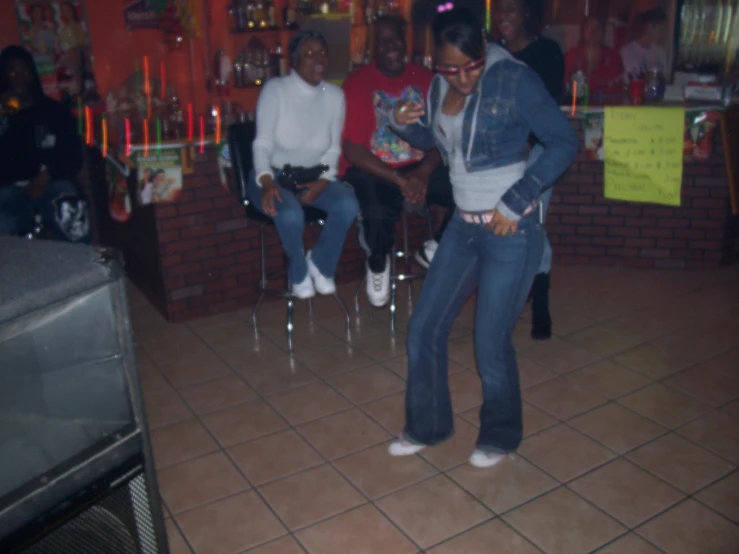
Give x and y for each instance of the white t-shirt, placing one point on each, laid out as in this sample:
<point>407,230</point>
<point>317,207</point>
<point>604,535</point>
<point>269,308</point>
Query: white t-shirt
<point>298,124</point>
<point>638,60</point>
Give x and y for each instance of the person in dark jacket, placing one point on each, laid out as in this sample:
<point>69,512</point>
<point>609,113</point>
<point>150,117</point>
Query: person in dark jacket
<point>40,156</point>
<point>519,24</point>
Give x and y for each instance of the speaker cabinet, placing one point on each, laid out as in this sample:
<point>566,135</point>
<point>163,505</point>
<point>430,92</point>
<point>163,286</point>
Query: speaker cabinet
<point>76,469</point>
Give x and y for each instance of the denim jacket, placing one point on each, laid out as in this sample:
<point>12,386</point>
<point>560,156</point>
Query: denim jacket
<point>510,103</point>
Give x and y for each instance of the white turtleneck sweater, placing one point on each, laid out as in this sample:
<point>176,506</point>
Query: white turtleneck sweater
<point>298,124</point>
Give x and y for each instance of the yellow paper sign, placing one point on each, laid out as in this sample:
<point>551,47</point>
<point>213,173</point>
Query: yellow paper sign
<point>644,154</point>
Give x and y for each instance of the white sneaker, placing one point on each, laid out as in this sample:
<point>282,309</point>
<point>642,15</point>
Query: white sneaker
<point>304,289</point>
<point>401,447</point>
<point>323,284</point>
<point>425,254</point>
<point>483,459</point>
<point>378,286</point>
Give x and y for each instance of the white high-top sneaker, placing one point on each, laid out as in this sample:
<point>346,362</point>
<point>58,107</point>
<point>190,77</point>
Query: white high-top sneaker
<point>304,289</point>
<point>425,254</point>
<point>378,286</point>
<point>323,284</point>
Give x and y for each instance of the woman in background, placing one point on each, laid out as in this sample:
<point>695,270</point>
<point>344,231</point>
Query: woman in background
<point>601,65</point>
<point>300,119</point>
<point>519,23</point>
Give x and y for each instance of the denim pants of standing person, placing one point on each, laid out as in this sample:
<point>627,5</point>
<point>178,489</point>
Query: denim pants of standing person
<point>501,269</point>
<point>63,208</point>
<point>544,198</point>
<point>341,207</point>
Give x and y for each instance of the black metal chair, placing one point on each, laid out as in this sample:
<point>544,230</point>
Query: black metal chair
<point>240,138</point>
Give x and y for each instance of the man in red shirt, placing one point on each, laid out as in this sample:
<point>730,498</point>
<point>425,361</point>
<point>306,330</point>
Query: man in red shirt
<point>384,169</point>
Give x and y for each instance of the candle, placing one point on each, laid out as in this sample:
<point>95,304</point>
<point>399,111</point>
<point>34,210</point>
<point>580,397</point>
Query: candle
<point>128,137</point>
<point>189,123</point>
<point>218,125</point>
<point>488,19</point>
<point>80,115</point>
<point>104,125</point>
<point>146,137</point>
<point>574,96</point>
<point>202,135</point>
<point>428,41</point>
<point>89,136</point>
<point>147,87</point>
<point>163,79</point>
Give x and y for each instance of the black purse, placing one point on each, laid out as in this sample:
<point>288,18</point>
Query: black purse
<point>290,177</point>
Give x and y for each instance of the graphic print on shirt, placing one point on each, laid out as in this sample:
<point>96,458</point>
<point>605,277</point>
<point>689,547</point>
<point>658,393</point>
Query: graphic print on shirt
<point>385,144</point>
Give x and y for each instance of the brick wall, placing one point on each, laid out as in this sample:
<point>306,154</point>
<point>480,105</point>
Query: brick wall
<point>585,228</point>
<point>205,258</point>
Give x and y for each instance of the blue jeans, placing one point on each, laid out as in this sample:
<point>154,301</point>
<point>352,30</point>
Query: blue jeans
<point>341,207</point>
<point>544,198</point>
<point>502,270</point>
<point>62,207</point>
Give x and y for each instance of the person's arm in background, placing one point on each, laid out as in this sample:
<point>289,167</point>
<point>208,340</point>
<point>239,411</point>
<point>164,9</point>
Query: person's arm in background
<point>268,110</point>
<point>65,159</point>
<point>331,156</point>
<point>418,134</point>
<point>550,126</point>
<point>359,126</point>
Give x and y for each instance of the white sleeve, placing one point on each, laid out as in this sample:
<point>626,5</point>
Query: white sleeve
<point>268,110</point>
<point>331,156</point>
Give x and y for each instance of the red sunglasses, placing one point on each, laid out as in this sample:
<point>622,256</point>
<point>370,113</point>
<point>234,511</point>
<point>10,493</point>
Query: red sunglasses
<point>455,70</point>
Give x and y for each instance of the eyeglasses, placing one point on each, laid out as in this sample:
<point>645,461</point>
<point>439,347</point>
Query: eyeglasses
<point>456,70</point>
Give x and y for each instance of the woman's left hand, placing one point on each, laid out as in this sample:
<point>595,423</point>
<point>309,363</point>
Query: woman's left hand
<point>502,226</point>
<point>311,191</point>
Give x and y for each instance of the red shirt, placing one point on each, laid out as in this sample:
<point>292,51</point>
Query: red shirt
<point>606,78</point>
<point>370,99</point>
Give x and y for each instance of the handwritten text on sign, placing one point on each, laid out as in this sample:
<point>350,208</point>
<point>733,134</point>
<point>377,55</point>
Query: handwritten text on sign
<point>644,154</point>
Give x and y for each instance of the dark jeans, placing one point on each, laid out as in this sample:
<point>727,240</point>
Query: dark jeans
<point>63,209</point>
<point>381,205</point>
<point>502,270</point>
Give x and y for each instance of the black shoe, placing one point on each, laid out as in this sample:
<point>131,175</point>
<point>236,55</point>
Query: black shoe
<point>541,321</point>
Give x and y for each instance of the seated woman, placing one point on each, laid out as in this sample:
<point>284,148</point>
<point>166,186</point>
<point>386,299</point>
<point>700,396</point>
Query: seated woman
<point>300,118</point>
<point>602,65</point>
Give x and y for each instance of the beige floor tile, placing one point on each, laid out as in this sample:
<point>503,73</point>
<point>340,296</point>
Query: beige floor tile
<point>217,321</point>
<point>218,394</point>
<point>250,356</point>
<point>197,482</point>
<point>388,412</point>
<point>505,486</point>
<point>690,528</point>
<point>561,356</point>
<point>626,492</point>
<point>334,360</point>
<point>568,321</point>
<point>275,456</point>
<point>306,336</point>
<point>310,496</point>
<point>361,531</point>
<point>664,405</point>
<point>707,384</point>
<point>152,380</point>
<point>535,420</point>
<point>194,369</point>
<point>731,409</point>
<point>399,366</point>
<point>181,442</point>
<point>285,545</point>
<point>603,341</point>
<point>563,523</point>
<point>723,496</point>
<point>456,450</point>
<point>617,428</point>
<point>219,528</point>
<point>629,544</point>
<point>376,473</point>
<point>164,408</point>
<point>610,379</point>
<point>245,422</point>
<point>564,453</point>
<point>278,377</point>
<point>182,345</point>
<point>480,540</point>
<point>718,432</point>
<point>727,363</point>
<point>681,463</point>
<point>531,373</point>
<point>343,433</point>
<point>177,543</point>
<point>382,347</point>
<point>226,336</point>
<point>654,362</point>
<point>433,511</point>
<point>462,351</point>
<point>563,398</point>
<point>367,384</point>
<point>308,403</point>
<point>466,391</point>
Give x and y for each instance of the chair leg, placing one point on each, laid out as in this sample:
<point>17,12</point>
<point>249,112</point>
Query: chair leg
<point>263,279</point>
<point>407,268</point>
<point>347,318</point>
<point>393,289</point>
<point>359,291</point>
<point>310,308</point>
<point>289,326</point>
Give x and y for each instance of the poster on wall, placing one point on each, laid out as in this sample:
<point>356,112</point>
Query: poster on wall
<point>57,35</point>
<point>159,176</point>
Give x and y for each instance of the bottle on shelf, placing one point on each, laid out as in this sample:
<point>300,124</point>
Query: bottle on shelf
<point>284,67</point>
<point>250,15</point>
<point>260,15</point>
<point>271,14</point>
<point>289,15</point>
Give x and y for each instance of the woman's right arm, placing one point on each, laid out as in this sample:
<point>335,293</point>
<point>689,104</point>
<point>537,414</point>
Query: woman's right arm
<point>411,122</point>
<point>268,110</point>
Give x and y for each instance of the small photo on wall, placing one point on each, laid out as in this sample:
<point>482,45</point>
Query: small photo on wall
<point>159,177</point>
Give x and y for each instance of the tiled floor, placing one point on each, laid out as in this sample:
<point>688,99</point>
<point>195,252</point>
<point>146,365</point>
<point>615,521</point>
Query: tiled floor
<point>631,418</point>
